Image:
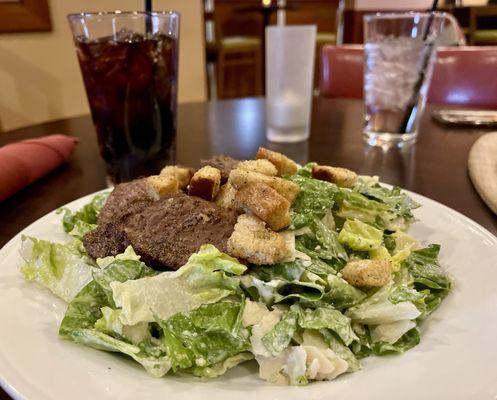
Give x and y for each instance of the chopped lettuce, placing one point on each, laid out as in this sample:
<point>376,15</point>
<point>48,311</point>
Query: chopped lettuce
<point>314,200</point>
<point>392,332</point>
<point>213,371</point>
<point>85,309</point>
<point>206,336</point>
<point>341,294</point>
<point>321,242</point>
<point>89,321</point>
<point>61,268</point>
<point>377,309</point>
<point>278,338</point>
<point>328,318</point>
<point>84,220</point>
<point>358,235</point>
<point>296,365</point>
<point>353,205</point>
<point>398,202</point>
<point>410,339</point>
<point>424,267</point>
<point>207,277</point>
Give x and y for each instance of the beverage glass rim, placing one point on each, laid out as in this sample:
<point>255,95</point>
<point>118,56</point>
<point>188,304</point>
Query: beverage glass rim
<point>117,13</point>
<point>403,15</point>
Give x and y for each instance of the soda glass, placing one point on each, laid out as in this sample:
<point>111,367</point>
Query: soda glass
<point>129,63</point>
<point>399,57</point>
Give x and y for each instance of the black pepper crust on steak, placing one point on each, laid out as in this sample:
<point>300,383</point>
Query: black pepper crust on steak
<point>223,163</point>
<point>109,238</point>
<point>171,229</point>
<point>127,199</point>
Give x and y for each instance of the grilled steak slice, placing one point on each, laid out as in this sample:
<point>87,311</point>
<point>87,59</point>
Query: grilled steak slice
<point>108,239</point>
<point>169,230</point>
<point>127,199</point>
<point>223,163</point>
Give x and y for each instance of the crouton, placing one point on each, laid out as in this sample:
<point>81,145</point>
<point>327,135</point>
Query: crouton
<point>262,166</point>
<point>289,190</point>
<point>342,177</point>
<point>283,164</point>
<point>163,185</point>
<point>205,183</point>
<point>182,174</point>
<point>367,272</point>
<point>252,241</point>
<point>265,203</point>
<point>226,197</point>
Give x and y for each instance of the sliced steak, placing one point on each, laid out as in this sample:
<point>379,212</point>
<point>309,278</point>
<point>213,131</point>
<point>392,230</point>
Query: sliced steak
<point>223,163</point>
<point>169,230</point>
<point>127,199</point>
<point>108,239</point>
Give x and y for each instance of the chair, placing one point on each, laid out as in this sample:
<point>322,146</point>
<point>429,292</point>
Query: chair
<point>462,76</point>
<point>234,56</point>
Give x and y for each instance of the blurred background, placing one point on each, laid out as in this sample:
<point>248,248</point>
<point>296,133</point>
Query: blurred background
<point>221,46</point>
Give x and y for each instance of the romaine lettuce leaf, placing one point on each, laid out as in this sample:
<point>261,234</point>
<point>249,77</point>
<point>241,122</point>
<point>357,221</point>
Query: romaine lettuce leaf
<point>207,277</point>
<point>341,294</point>
<point>84,220</point>
<point>62,268</point>
<point>298,290</point>
<point>360,236</point>
<point>424,267</point>
<point>206,336</point>
<point>410,339</point>
<point>336,345</point>
<point>213,371</point>
<point>296,365</point>
<point>111,324</point>
<point>157,366</point>
<point>91,307</point>
<point>377,309</point>
<point>85,309</point>
<point>314,200</point>
<point>327,318</point>
<point>353,205</point>
<point>397,201</point>
<point>392,332</point>
<point>279,337</point>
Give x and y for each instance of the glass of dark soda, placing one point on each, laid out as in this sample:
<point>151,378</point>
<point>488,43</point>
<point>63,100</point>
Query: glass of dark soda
<point>129,63</point>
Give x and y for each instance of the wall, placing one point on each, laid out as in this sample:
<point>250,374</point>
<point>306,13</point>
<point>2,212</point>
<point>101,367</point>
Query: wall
<point>40,78</point>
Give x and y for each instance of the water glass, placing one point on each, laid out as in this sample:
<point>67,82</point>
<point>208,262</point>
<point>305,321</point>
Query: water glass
<point>399,57</point>
<point>129,63</point>
<point>289,77</point>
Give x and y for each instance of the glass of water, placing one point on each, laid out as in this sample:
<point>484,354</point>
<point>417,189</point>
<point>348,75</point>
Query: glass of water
<point>289,77</point>
<point>399,57</point>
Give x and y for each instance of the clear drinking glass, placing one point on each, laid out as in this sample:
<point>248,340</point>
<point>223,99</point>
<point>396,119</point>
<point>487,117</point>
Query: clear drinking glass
<point>399,57</point>
<point>129,63</point>
<point>289,77</point>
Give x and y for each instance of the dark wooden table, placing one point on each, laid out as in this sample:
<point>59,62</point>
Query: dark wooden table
<point>434,167</point>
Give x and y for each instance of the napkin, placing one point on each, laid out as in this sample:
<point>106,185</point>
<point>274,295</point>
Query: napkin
<point>482,166</point>
<point>24,162</point>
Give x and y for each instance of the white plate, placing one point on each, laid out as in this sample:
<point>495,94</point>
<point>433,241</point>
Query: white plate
<point>455,360</point>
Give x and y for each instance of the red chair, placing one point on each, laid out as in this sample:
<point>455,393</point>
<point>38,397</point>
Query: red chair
<point>465,76</point>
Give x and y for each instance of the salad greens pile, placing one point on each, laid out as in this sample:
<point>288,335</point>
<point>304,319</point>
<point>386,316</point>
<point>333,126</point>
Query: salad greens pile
<point>299,320</point>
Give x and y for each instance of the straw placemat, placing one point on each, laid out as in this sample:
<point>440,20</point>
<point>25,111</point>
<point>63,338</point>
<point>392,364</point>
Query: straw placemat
<point>482,165</point>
